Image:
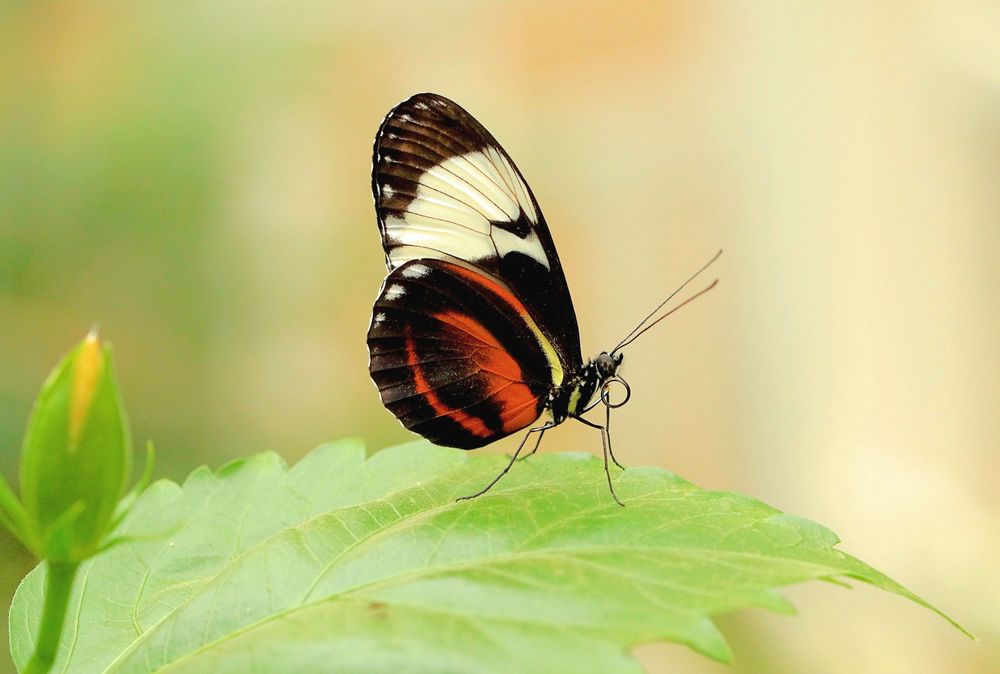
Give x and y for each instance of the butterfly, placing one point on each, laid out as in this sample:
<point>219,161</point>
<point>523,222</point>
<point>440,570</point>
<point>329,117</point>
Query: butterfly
<point>473,335</point>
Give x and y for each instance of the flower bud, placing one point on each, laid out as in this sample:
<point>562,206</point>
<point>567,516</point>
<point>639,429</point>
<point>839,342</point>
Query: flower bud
<point>76,456</point>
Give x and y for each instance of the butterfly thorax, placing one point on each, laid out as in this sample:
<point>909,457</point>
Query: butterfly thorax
<point>574,395</point>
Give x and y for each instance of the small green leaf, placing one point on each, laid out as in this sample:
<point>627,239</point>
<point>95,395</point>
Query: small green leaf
<point>352,565</point>
<point>125,504</point>
<point>12,515</point>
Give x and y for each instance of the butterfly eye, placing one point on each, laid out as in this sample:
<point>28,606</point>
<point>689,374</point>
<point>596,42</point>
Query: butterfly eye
<point>606,392</point>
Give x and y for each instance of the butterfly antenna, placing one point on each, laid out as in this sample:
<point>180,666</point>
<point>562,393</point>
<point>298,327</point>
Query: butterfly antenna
<point>638,330</point>
<point>687,301</point>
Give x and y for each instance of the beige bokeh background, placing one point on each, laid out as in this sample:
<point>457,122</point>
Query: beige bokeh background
<point>194,176</point>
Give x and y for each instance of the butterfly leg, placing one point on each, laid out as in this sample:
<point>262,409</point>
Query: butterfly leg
<point>540,430</point>
<point>606,445</point>
<point>607,428</point>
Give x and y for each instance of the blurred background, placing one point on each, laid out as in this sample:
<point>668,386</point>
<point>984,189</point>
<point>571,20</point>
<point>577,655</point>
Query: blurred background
<point>194,177</point>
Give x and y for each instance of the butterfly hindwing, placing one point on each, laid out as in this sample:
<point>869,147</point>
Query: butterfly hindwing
<point>456,356</point>
<point>445,189</point>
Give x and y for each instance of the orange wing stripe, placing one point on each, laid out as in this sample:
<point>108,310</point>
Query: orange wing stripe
<point>470,326</point>
<point>519,407</point>
<point>491,285</point>
<point>494,359</point>
<point>471,423</point>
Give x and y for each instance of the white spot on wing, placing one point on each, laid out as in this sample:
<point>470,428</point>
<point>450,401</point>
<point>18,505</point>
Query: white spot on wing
<point>379,317</point>
<point>394,291</point>
<point>387,191</point>
<point>416,271</point>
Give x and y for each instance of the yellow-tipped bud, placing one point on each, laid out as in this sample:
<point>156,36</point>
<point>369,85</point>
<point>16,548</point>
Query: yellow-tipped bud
<point>76,457</point>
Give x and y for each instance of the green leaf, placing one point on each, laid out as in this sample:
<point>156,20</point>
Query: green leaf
<point>352,565</point>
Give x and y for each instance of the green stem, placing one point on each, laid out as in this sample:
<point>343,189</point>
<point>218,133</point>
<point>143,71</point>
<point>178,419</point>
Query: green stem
<point>58,584</point>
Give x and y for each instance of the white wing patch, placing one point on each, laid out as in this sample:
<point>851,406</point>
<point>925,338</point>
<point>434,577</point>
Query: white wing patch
<point>432,237</point>
<point>452,213</point>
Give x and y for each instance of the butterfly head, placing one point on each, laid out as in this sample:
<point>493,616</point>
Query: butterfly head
<point>606,365</point>
<point>605,369</point>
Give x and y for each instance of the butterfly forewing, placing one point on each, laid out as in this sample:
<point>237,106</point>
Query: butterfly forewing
<point>445,189</point>
<point>456,356</point>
